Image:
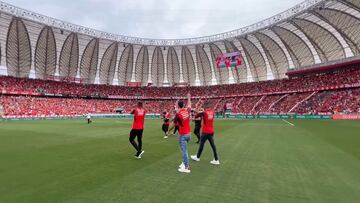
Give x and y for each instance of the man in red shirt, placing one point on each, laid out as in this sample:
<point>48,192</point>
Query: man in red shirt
<point>182,119</point>
<point>207,133</point>
<point>137,129</point>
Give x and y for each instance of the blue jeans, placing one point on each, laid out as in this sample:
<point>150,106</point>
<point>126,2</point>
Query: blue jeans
<point>183,140</point>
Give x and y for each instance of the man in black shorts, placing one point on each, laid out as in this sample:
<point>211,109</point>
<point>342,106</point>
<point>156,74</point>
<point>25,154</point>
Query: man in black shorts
<point>88,118</point>
<point>176,128</point>
<point>207,133</point>
<point>166,123</point>
<point>197,121</point>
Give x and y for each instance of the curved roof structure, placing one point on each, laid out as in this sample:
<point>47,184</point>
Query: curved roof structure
<point>313,32</point>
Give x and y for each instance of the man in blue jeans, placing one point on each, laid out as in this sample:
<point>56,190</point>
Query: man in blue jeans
<point>182,120</point>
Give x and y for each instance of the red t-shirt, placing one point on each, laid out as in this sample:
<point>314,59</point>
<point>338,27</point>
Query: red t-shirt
<point>208,121</point>
<point>139,117</point>
<point>182,120</point>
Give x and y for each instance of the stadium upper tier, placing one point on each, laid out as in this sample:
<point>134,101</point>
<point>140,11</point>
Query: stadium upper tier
<point>311,33</point>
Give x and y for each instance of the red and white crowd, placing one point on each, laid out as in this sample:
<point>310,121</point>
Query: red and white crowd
<point>306,95</point>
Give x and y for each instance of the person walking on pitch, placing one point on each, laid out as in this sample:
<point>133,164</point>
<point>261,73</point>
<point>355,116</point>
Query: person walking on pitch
<point>88,118</point>
<point>176,128</point>
<point>137,129</point>
<point>166,123</point>
<point>182,119</point>
<point>207,133</point>
<point>197,122</point>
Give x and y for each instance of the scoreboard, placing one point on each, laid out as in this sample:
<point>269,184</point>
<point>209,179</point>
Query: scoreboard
<point>228,60</point>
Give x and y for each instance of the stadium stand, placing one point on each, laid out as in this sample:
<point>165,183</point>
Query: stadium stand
<point>306,83</point>
<point>321,93</point>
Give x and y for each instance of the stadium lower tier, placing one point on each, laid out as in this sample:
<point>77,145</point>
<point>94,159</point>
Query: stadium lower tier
<point>344,77</point>
<point>323,102</point>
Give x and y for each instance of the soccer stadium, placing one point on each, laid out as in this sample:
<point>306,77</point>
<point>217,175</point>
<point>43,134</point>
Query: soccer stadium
<point>266,112</point>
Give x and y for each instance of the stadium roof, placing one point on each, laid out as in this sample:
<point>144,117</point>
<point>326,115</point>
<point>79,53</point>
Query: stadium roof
<point>159,42</point>
<point>313,32</point>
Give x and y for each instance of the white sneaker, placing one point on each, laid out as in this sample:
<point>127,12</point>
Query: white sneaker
<point>184,170</point>
<point>215,162</point>
<point>195,158</point>
<point>165,137</point>
<point>182,165</point>
<point>141,153</point>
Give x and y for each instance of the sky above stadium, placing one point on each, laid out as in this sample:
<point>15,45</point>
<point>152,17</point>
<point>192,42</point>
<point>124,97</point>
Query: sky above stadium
<point>160,19</point>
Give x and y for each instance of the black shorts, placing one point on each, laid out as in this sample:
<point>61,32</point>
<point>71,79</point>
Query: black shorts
<point>197,123</point>
<point>136,133</point>
<point>207,134</point>
<point>165,127</point>
<point>197,130</point>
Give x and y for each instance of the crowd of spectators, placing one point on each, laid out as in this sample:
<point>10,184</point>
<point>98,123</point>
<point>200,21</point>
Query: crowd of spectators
<point>287,103</point>
<point>247,105</point>
<point>49,106</point>
<point>38,106</point>
<point>265,104</point>
<point>325,102</point>
<point>330,102</point>
<point>345,77</point>
<point>252,98</point>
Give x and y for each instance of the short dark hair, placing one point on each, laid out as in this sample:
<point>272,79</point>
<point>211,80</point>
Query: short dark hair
<point>181,104</point>
<point>140,104</point>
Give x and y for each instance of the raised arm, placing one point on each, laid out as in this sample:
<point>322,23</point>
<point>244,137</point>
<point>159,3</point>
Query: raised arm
<point>189,100</point>
<point>216,105</point>
<point>176,105</point>
<point>198,104</point>
<point>132,111</point>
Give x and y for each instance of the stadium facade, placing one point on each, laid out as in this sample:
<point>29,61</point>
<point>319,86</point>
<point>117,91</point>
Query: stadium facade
<point>311,33</point>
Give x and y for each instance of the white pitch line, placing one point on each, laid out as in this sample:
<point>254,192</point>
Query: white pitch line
<point>288,122</point>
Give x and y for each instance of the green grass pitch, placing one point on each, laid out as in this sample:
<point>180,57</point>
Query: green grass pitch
<point>261,161</point>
